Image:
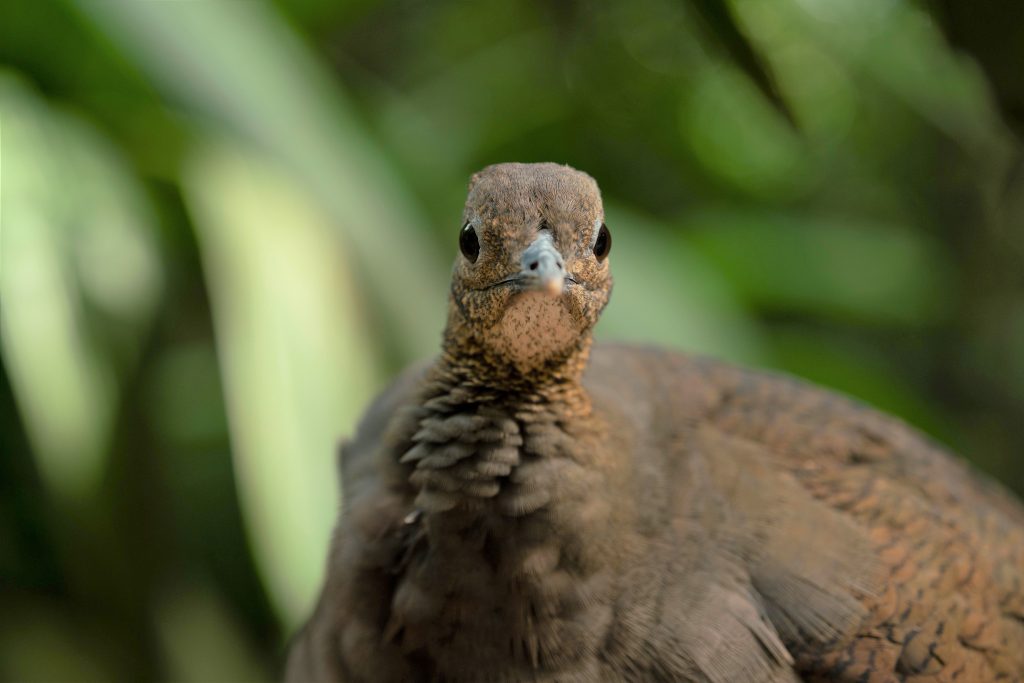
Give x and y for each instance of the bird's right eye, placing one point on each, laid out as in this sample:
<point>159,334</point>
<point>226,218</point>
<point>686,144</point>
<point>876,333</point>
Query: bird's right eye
<point>603,243</point>
<point>469,244</point>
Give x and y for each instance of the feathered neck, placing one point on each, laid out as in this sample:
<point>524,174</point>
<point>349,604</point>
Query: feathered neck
<point>481,420</point>
<point>472,372</point>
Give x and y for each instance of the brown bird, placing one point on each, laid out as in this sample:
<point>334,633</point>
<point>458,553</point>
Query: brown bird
<point>529,508</point>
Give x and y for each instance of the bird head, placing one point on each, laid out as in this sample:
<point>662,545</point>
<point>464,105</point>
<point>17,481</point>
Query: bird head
<point>532,275</point>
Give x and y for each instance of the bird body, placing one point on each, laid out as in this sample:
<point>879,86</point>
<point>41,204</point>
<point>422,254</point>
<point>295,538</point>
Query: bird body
<point>532,507</point>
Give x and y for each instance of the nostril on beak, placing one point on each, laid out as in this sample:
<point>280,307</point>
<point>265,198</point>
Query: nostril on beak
<point>543,266</point>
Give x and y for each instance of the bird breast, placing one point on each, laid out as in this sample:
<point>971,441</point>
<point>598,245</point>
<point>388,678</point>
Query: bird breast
<point>498,565</point>
<point>511,459</point>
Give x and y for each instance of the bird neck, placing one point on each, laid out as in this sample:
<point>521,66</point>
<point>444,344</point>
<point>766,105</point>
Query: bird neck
<point>481,421</point>
<point>469,365</point>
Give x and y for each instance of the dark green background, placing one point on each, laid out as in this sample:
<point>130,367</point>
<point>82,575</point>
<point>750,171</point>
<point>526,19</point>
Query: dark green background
<point>226,224</point>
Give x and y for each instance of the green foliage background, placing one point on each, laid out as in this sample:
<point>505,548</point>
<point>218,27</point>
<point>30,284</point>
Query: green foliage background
<point>226,224</point>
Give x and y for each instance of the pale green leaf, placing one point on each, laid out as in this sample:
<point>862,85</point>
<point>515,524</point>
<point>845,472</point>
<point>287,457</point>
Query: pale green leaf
<point>296,357</point>
<point>241,66</point>
<point>78,249</point>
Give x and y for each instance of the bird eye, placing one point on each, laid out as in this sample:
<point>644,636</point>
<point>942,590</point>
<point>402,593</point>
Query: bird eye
<point>603,243</point>
<point>469,244</point>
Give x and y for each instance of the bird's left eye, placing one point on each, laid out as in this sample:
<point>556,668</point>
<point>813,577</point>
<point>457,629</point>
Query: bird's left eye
<point>469,243</point>
<point>603,243</point>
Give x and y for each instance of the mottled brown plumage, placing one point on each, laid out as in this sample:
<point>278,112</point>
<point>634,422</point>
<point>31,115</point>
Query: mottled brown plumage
<point>522,509</point>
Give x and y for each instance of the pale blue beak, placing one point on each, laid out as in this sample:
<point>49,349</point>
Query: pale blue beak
<point>542,267</point>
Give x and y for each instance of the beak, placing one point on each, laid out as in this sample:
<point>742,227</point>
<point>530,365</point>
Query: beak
<point>542,267</point>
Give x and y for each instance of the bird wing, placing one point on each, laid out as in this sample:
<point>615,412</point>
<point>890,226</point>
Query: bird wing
<point>344,631</point>
<point>875,554</point>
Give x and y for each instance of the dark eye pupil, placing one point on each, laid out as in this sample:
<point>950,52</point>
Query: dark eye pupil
<point>468,243</point>
<point>603,244</point>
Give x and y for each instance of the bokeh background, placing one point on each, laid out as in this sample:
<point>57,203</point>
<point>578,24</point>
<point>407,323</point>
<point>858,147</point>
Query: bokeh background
<point>226,224</point>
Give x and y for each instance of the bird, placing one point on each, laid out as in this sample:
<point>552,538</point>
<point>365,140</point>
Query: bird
<point>533,506</point>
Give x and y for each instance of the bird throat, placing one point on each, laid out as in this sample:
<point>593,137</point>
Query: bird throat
<point>534,328</point>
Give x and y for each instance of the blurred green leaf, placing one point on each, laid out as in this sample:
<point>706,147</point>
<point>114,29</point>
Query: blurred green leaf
<point>295,353</point>
<point>893,45</point>
<point>991,31</point>
<point>43,644</point>
<point>739,138</point>
<point>717,16</point>
<point>80,280</point>
<point>185,402</point>
<point>667,293</point>
<point>240,65</point>
<point>201,641</point>
<point>874,274</point>
<point>442,124</point>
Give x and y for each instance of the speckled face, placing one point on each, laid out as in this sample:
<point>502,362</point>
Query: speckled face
<point>533,275</point>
